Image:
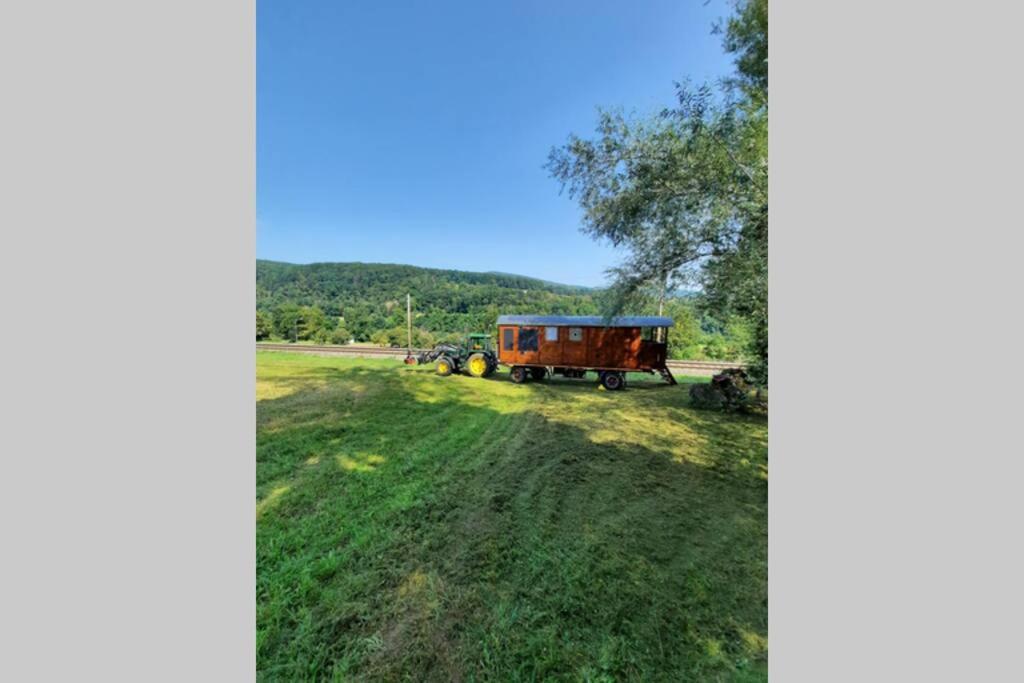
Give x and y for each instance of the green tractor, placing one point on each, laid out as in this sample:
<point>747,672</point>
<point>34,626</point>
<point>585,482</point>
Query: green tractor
<point>475,355</point>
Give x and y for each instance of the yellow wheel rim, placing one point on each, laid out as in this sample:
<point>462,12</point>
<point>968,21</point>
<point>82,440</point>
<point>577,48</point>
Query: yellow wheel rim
<point>477,366</point>
<point>442,367</point>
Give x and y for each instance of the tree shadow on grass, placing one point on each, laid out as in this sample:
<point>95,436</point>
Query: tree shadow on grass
<point>484,540</point>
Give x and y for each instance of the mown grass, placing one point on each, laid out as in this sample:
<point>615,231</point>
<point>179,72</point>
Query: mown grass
<point>414,527</point>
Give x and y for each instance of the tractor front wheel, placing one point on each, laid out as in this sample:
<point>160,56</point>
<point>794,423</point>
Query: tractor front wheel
<point>445,366</point>
<point>477,365</point>
<point>517,375</point>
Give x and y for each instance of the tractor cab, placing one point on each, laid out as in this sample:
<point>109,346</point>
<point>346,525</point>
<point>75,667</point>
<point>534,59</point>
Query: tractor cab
<point>478,342</point>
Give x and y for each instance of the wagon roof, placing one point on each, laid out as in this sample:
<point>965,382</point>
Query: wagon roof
<point>585,321</point>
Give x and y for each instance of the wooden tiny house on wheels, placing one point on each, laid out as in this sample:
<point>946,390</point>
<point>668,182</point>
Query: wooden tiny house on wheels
<point>535,345</point>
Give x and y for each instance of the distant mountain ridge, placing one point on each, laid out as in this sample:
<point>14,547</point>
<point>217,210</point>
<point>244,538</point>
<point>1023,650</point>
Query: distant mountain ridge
<point>497,277</point>
<point>548,283</point>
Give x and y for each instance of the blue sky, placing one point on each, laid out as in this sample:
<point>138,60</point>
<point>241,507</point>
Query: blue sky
<point>416,132</point>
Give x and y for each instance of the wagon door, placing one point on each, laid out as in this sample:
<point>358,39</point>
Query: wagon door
<point>507,345</point>
<point>528,346</point>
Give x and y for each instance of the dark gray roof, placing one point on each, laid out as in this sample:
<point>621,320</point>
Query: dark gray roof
<point>585,320</point>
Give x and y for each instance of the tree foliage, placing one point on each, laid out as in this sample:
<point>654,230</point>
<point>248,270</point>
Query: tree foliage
<point>685,191</point>
<point>745,35</point>
<point>340,335</point>
<point>264,325</point>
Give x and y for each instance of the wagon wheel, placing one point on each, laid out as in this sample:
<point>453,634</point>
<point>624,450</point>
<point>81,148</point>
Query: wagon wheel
<point>444,366</point>
<point>492,365</point>
<point>612,381</point>
<point>538,373</point>
<point>477,365</point>
<point>517,375</point>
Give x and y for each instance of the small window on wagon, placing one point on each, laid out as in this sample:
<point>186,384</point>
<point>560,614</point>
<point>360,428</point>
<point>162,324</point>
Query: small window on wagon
<point>550,334</point>
<point>507,339</point>
<point>528,339</point>
<point>575,334</point>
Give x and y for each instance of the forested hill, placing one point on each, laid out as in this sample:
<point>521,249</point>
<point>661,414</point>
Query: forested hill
<point>370,297</point>
<point>335,278</point>
<point>365,302</point>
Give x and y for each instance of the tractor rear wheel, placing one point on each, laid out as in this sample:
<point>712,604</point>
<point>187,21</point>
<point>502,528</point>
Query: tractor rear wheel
<point>538,373</point>
<point>612,381</point>
<point>445,366</point>
<point>477,365</point>
<point>517,375</point>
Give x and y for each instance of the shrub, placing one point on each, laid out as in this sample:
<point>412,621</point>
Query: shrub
<point>729,390</point>
<point>706,396</point>
<point>384,338</point>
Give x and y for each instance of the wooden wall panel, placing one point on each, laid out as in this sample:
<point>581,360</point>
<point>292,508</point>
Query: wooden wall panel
<point>573,352</point>
<point>616,347</point>
<point>551,351</point>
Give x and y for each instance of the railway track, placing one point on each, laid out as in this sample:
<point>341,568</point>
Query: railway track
<point>692,367</point>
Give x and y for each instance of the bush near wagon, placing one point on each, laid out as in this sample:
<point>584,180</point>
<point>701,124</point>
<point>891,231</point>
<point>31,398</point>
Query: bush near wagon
<point>730,390</point>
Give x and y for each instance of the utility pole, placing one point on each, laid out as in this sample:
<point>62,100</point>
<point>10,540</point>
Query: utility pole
<point>408,318</point>
<point>661,302</point>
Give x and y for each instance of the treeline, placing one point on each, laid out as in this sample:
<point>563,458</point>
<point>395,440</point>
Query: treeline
<point>340,303</point>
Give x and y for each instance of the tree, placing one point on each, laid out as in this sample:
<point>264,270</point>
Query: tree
<point>381,338</point>
<point>421,339</point>
<point>264,325</point>
<point>286,321</point>
<point>746,36</point>
<point>340,335</point>
<point>685,192</point>
<point>685,337</point>
<point>736,282</point>
<point>313,324</point>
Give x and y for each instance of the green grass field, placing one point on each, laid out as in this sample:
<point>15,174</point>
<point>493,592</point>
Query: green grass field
<point>415,527</point>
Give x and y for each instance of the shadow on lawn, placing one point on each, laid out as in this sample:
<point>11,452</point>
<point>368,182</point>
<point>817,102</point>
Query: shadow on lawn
<point>439,532</point>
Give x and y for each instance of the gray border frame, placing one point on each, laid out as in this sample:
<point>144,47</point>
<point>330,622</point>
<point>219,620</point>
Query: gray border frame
<point>128,243</point>
<point>894,504</point>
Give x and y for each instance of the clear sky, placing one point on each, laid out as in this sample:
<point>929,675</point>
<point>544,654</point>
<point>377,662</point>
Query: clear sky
<point>416,132</point>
